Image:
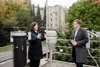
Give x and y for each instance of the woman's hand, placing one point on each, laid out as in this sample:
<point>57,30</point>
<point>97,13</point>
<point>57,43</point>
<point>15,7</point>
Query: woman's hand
<point>45,36</point>
<point>39,36</point>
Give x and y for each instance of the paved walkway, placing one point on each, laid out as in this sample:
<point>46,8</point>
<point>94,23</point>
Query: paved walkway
<point>56,63</point>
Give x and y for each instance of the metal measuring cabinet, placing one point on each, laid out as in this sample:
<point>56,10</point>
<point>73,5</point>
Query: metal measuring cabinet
<point>19,48</point>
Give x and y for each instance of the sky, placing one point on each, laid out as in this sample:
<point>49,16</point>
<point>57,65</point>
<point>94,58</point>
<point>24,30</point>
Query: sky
<point>64,3</point>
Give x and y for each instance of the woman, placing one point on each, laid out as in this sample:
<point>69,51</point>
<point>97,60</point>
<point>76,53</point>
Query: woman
<point>35,48</point>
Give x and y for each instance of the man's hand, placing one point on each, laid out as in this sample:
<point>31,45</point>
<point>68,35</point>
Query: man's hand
<point>74,42</point>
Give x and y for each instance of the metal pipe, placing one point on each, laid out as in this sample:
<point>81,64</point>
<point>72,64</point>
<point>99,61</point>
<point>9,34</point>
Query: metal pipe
<point>91,33</point>
<point>46,24</point>
<point>51,52</point>
<point>93,58</point>
<point>46,15</point>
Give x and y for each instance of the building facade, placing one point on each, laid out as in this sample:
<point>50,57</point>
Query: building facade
<point>56,18</point>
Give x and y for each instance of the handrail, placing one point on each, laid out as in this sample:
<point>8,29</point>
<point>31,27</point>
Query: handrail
<point>93,57</point>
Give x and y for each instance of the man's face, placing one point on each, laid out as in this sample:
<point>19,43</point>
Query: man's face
<point>76,25</point>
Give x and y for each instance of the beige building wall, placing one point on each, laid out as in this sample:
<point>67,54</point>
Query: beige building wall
<point>56,18</point>
<point>42,13</point>
<point>62,19</point>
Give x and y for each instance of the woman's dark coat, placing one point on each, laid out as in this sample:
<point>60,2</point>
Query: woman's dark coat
<point>35,47</point>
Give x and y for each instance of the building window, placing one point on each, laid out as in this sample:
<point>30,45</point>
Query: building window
<point>51,19</point>
<point>56,24</point>
<point>51,14</point>
<point>51,25</point>
<point>55,19</point>
<point>55,13</point>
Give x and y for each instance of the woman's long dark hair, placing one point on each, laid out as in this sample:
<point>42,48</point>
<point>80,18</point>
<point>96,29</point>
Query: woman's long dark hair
<point>32,25</point>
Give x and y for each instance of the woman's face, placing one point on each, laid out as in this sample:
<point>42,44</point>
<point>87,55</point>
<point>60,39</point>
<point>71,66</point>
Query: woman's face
<point>36,27</point>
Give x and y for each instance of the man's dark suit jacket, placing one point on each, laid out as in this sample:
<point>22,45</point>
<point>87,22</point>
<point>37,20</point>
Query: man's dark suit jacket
<point>79,51</point>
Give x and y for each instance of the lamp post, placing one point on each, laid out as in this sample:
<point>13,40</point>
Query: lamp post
<point>46,24</point>
<point>51,38</point>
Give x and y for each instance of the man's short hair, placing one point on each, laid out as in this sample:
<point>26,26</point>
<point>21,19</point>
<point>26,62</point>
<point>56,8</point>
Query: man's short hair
<point>78,21</point>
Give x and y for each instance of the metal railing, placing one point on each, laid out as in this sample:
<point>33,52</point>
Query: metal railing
<point>95,58</point>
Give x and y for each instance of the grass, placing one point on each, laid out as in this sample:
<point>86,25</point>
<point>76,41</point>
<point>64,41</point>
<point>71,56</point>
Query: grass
<point>6,48</point>
<point>9,48</point>
<point>44,43</point>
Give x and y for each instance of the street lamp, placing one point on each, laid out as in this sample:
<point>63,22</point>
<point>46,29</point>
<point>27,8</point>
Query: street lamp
<point>46,15</point>
<point>51,38</point>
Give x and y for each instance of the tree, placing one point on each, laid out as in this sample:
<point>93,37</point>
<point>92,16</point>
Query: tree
<point>12,14</point>
<point>4,36</point>
<point>33,12</point>
<point>11,22</point>
<point>2,11</point>
<point>88,12</point>
<point>44,19</point>
<point>23,17</point>
<point>38,17</point>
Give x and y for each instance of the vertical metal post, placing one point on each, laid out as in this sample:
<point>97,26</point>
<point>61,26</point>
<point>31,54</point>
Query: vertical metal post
<point>47,24</point>
<point>46,14</point>
<point>51,52</point>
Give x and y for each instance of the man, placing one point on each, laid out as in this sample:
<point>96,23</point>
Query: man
<point>79,38</point>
